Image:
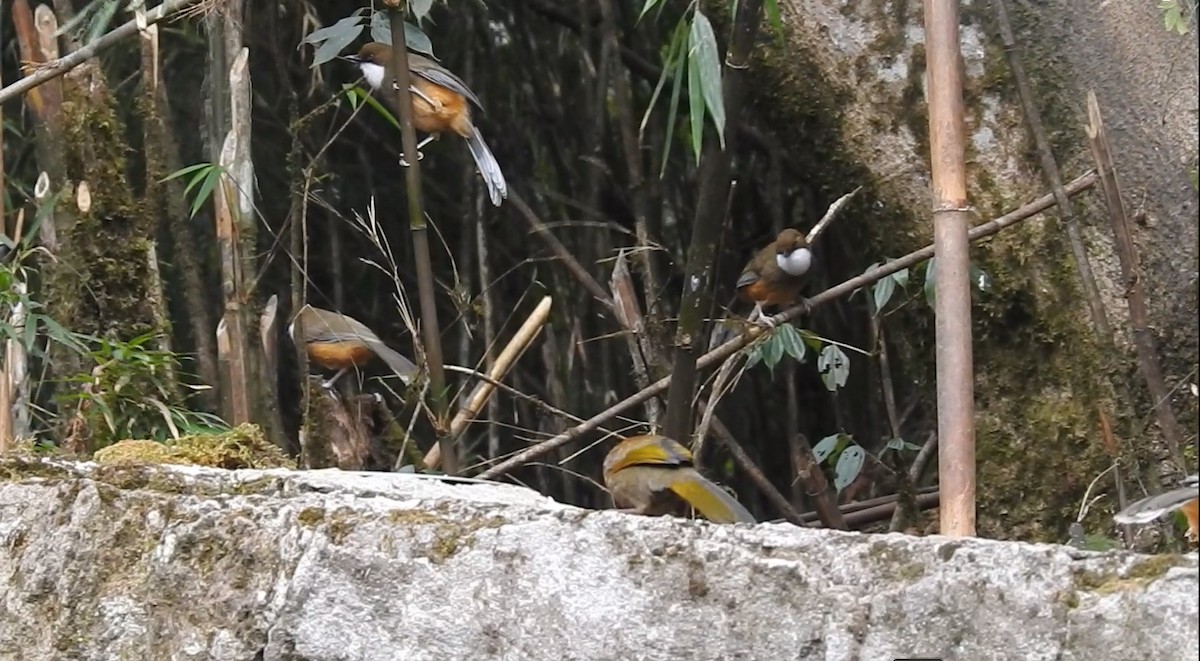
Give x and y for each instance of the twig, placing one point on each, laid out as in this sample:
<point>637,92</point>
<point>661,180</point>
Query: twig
<point>479,396</point>
<point>915,471</point>
<point>734,345</point>
<point>560,251</point>
<point>830,214</point>
<point>1143,338</point>
<point>720,387</point>
<point>52,70</point>
<point>1091,293</point>
<point>824,500</point>
<point>629,315</point>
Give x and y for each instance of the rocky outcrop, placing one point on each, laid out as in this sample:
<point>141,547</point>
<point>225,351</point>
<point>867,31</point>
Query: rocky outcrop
<point>175,562</point>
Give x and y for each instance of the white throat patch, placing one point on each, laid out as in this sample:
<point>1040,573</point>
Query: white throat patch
<point>795,263</point>
<point>373,73</point>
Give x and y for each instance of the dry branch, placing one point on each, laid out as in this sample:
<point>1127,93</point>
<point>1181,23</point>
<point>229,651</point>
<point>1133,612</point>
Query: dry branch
<point>1091,293</point>
<point>62,65</point>
<point>484,389</point>
<point>732,346</point>
<point>1135,297</point>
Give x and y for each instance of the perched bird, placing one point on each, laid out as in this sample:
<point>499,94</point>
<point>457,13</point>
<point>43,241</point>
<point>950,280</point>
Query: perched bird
<point>775,275</point>
<point>1183,498</point>
<point>339,342</point>
<point>653,475</point>
<point>441,102</point>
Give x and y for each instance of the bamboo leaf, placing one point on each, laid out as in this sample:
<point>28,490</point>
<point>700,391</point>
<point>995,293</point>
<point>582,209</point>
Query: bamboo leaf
<point>673,108</point>
<point>883,293</point>
<point>339,35</point>
<point>646,7</point>
<point>834,367</point>
<point>695,102</point>
<point>704,53</point>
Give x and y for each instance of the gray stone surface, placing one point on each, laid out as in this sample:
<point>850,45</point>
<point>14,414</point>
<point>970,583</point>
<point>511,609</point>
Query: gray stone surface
<point>188,563</point>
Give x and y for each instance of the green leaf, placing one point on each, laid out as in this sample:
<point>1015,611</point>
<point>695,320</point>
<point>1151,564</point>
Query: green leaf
<point>184,171</point>
<point>883,293</point>
<point>379,108</point>
<point>672,52</point>
<point>849,465</point>
<point>834,367</point>
<point>703,51</point>
<point>812,340</point>
<point>645,8</point>
<point>771,7</point>
<point>825,447</point>
<point>414,38</point>
<point>676,85</point>
<point>930,280</point>
<point>772,351</point>
<point>793,344</point>
<point>695,103</point>
<point>210,181</point>
<point>334,39</point>
<point>901,277</point>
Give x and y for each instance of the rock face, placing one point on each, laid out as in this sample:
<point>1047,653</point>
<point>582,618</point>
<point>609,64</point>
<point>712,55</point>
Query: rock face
<point>140,562</point>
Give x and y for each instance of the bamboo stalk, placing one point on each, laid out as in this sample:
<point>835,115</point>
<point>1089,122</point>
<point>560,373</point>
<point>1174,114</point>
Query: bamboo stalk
<point>420,236</point>
<point>951,218</point>
<point>716,177</point>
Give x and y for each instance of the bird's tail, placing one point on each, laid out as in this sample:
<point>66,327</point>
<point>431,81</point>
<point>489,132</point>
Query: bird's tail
<point>1149,509</point>
<point>710,500</point>
<point>488,167</point>
<point>403,367</point>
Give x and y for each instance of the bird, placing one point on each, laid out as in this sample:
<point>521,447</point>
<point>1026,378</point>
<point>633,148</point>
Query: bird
<point>775,274</point>
<point>653,475</point>
<point>1186,497</point>
<point>339,342</point>
<point>441,102</point>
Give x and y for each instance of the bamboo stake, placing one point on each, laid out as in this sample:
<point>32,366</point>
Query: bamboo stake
<point>524,336</point>
<point>951,218</point>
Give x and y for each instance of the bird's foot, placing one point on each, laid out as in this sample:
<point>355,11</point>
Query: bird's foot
<point>761,318</point>
<point>404,161</point>
<point>805,306</point>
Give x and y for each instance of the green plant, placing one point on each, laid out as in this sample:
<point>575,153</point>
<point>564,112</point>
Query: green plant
<point>1177,14</point>
<point>130,394</point>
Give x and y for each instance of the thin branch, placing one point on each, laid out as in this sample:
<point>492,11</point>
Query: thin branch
<point>734,345</point>
<point>743,460</point>
<point>830,214</point>
<point>1091,293</point>
<point>1135,297</point>
<point>62,65</point>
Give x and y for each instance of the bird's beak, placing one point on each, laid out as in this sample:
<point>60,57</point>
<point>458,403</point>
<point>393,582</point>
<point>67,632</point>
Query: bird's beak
<point>350,58</point>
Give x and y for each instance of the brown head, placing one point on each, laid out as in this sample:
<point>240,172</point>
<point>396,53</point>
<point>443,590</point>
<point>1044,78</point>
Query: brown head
<point>789,240</point>
<point>374,52</point>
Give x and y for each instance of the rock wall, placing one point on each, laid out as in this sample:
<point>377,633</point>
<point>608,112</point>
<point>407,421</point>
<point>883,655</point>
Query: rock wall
<point>110,562</point>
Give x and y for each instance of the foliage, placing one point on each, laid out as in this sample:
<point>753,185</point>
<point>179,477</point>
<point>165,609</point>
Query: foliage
<point>131,391</point>
<point>1177,15</point>
<point>330,41</point>
<point>694,45</point>
<point>204,175</point>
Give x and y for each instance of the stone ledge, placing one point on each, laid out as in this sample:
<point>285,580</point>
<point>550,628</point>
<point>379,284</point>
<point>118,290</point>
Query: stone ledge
<point>175,562</point>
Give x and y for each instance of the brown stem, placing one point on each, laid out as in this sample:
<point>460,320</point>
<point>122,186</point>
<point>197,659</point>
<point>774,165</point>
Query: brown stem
<point>756,475</point>
<point>1135,297</point>
<point>818,488</point>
